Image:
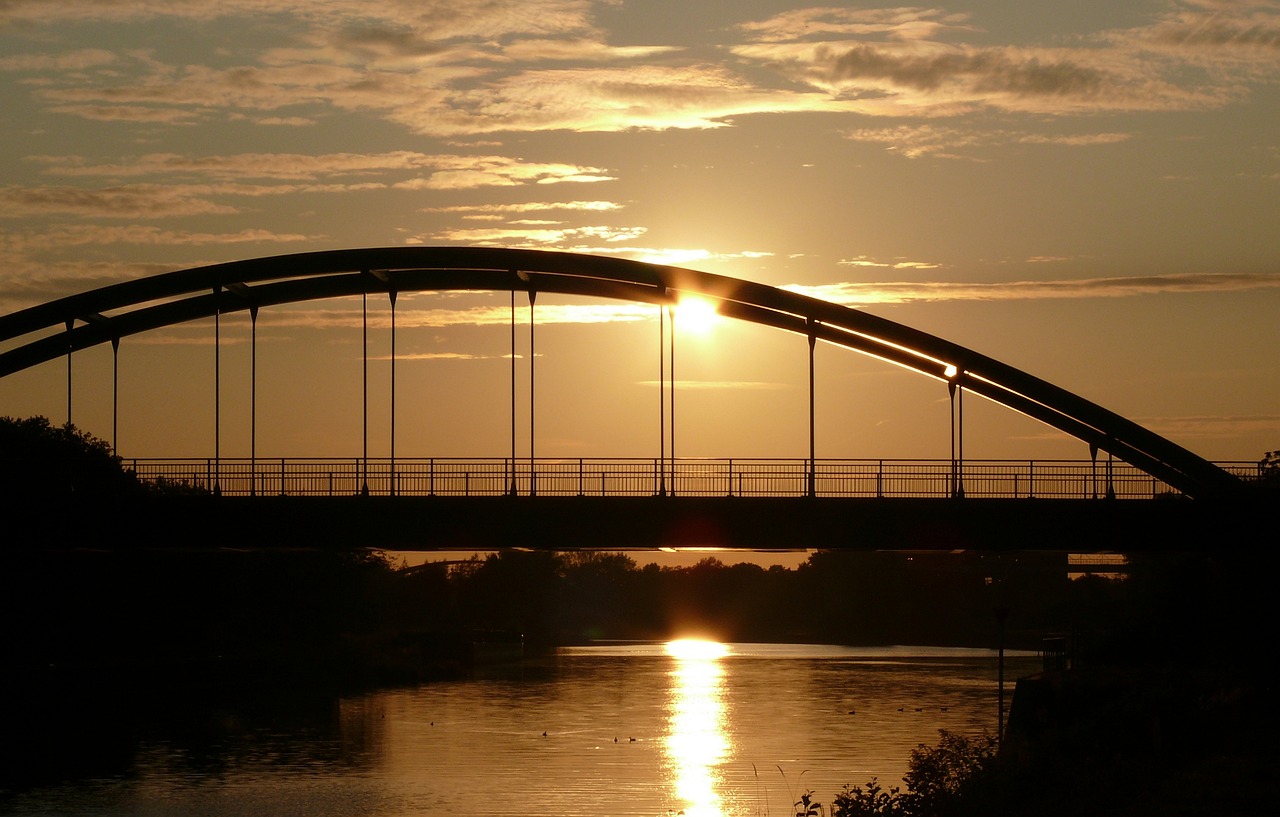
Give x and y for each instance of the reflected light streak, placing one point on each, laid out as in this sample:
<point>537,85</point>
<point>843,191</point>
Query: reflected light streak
<point>696,742</point>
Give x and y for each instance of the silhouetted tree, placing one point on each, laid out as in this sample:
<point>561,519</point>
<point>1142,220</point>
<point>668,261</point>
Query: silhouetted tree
<point>1269,470</point>
<point>39,459</point>
<point>952,778</point>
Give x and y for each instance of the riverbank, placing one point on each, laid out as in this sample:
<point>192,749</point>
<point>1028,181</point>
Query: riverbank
<point>1104,741</point>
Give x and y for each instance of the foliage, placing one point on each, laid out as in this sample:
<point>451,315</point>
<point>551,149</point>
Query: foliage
<point>806,806</point>
<point>948,779</point>
<point>941,775</point>
<point>873,801</point>
<point>1269,469</point>
<point>39,458</point>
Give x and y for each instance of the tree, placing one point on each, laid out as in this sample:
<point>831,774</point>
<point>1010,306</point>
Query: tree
<point>39,459</point>
<point>951,778</point>
<point>1269,470</point>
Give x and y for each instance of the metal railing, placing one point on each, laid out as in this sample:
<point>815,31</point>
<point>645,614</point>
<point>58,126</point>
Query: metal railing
<point>1003,479</point>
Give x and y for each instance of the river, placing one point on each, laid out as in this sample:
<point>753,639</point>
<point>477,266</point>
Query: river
<point>699,728</point>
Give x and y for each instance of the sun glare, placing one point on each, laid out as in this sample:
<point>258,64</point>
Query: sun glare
<point>696,649</point>
<point>696,315</point>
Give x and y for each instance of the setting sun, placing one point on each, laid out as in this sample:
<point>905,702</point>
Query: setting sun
<point>696,649</point>
<point>696,315</point>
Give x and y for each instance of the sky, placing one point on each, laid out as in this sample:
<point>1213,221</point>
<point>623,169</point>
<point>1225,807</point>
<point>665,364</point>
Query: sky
<point>1088,191</point>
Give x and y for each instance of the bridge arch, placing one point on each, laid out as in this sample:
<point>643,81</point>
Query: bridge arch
<point>78,322</point>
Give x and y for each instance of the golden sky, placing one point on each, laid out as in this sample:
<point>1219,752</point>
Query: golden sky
<point>1087,191</point>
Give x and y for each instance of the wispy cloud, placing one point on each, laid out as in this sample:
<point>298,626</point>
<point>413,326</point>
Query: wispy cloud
<point>914,62</point>
<point>525,207</point>
<point>80,235</point>
<point>448,69</point>
<point>897,292</point>
<point>721,385</point>
<point>915,141</point>
<point>433,171</point>
<point>532,236</point>
<point>277,174</point>
<point>1212,427</point>
<point>896,263</point>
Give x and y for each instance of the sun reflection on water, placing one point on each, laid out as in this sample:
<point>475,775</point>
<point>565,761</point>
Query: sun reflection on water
<point>696,742</point>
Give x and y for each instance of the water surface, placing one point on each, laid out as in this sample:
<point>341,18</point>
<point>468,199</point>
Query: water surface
<point>618,729</point>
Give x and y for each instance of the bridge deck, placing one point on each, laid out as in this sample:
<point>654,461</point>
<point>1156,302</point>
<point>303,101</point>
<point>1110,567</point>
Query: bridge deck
<point>622,523</point>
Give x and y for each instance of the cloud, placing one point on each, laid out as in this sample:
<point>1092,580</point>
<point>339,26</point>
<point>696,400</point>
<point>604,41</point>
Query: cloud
<point>895,63</point>
<point>897,23</point>
<point>497,314</point>
<point>1212,427</point>
<point>141,235</point>
<point>440,171</point>
<point>859,294</point>
<point>27,282</point>
<point>525,207</point>
<point>153,200</point>
<point>124,201</point>
<point>917,141</point>
<point>527,236</point>
<point>1212,33</point>
<point>720,385</point>
<point>447,69</point>
<point>78,60</point>
<point>435,19</point>
<point>897,263</point>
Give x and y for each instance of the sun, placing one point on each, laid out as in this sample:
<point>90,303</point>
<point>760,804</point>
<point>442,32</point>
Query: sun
<point>696,649</point>
<point>696,315</point>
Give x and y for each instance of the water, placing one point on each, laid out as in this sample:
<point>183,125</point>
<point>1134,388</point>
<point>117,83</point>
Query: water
<point>632,729</point>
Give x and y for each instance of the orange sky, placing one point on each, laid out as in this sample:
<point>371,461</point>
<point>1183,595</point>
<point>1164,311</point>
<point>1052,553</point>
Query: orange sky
<point>1090,193</point>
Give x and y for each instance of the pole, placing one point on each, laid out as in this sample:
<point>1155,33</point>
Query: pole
<point>392,295</point>
<point>960,465</point>
<point>70,323</point>
<point>673,400</point>
<point>533,477</point>
<point>364,400</point>
<point>253,400</point>
<point>662,401</point>
<point>813,483</point>
<point>115,392</point>
<point>512,488</point>
<point>951,390</point>
<point>217,389</point>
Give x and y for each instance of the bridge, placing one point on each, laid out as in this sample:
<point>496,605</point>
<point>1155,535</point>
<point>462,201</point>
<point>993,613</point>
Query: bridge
<point>746,503</point>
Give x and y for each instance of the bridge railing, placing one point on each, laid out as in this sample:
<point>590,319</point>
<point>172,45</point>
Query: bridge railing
<point>1004,479</point>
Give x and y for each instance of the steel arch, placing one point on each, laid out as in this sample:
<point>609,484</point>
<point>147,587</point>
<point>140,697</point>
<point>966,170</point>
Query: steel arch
<point>176,297</point>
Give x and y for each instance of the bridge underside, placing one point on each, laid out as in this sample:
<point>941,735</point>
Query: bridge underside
<point>632,523</point>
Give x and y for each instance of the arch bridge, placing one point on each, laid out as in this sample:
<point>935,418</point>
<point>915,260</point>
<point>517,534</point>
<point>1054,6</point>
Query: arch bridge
<point>59,328</point>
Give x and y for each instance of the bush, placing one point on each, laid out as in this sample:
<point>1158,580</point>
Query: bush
<point>949,779</point>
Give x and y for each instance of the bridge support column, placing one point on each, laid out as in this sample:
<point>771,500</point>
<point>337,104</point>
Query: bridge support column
<point>672,315</point>
<point>511,484</point>
<point>392,295</point>
<point>217,390</point>
<point>662,401</point>
<point>956,392</point>
<point>812,486</point>
<point>533,473</point>
<point>253,400</point>
<point>115,392</point>
<point>70,323</point>
<point>364,398</point>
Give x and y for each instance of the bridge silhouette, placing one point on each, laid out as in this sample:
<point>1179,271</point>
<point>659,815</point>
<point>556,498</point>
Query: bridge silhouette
<point>735,503</point>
